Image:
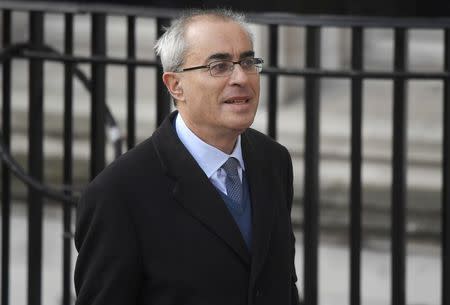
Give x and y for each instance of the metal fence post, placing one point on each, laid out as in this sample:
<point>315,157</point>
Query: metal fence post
<point>35,161</point>
<point>6,176</point>
<point>98,92</point>
<point>68,159</point>
<point>162,96</point>
<point>311,184</point>
<point>273,82</point>
<point>131,82</point>
<point>356,159</point>
<point>446,176</point>
<point>398,199</point>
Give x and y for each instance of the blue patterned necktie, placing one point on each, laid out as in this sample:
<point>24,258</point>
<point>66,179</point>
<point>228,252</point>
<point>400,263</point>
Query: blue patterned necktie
<point>233,183</point>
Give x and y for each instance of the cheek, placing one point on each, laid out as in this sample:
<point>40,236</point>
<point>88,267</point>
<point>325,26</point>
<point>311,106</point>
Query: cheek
<point>256,86</point>
<point>202,101</point>
<point>203,94</point>
<point>210,93</point>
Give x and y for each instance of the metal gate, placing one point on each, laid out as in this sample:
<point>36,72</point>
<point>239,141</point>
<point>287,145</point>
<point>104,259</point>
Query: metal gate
<point>36,52</point>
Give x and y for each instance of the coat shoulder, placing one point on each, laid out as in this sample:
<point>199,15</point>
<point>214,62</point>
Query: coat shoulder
<point>134,165</point>
<point>262,142</point>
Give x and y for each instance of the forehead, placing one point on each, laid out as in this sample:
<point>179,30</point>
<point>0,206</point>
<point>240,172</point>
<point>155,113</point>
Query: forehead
<point>208,35</point>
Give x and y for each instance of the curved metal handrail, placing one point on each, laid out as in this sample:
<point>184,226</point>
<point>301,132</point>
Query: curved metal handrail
<point>49,191</point>
<point>64,192</point>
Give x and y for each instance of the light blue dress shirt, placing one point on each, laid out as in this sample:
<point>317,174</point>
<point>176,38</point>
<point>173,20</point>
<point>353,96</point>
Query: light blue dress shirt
<point>209,158</point>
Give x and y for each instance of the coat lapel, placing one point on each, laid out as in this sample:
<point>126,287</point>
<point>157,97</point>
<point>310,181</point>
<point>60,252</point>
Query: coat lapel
<point>258,175</point>
<point>194,191</point>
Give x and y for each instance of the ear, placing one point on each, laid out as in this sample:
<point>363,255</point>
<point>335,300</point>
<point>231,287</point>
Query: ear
<point>172,82</point>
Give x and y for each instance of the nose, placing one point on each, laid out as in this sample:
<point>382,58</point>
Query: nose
<point>238,75</point>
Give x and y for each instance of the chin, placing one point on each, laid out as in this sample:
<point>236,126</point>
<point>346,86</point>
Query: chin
<point>239,122</point>
<point>241,126</point>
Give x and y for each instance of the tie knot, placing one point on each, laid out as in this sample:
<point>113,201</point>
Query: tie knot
<point>231,166</point>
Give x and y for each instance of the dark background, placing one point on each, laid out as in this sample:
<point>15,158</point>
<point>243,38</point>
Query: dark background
<point>398,8</point>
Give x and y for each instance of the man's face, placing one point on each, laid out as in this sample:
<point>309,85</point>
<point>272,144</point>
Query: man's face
<point>217,106</point>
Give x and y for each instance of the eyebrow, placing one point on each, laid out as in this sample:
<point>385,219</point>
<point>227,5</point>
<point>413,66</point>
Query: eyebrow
<point>227,56</point>
<point>247,54</point>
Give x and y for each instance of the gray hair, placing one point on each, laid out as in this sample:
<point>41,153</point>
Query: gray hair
<point>172,46</point>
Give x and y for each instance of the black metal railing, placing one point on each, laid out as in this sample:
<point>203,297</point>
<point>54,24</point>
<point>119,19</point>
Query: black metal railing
<point>35,51</point>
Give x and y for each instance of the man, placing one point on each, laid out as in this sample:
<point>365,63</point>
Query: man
<point>199,213</point>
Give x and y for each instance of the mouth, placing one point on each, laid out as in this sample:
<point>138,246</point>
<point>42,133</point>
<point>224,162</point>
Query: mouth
<point>237,101</point>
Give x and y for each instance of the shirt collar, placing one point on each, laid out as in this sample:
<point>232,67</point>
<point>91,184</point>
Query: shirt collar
<point>209,158</point>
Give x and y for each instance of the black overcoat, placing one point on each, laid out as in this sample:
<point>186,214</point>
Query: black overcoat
<point>152,230</point>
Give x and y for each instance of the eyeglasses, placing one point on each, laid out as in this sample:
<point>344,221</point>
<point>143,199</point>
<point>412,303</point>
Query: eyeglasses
<point>221,68</point>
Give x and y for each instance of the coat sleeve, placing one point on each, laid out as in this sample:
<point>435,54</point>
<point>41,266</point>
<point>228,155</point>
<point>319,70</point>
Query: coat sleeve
<point>290,197</point>
<point>107,270</point>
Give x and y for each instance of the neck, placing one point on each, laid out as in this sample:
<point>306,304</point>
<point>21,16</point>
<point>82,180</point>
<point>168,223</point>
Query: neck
<point>225,145</point>
<point>224,140</point>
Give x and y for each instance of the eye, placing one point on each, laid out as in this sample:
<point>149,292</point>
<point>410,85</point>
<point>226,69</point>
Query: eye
<point>248,63</point>
<point>220,66</point>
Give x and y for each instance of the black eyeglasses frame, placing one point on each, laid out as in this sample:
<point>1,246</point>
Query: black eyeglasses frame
<point>257,62</point>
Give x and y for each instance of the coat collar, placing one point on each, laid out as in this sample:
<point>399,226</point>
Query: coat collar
<point>194,191</point>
